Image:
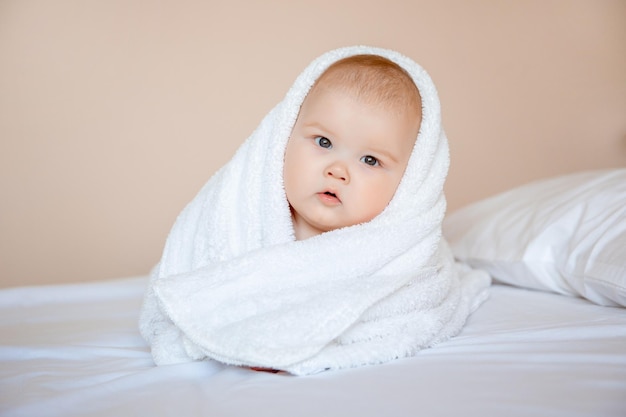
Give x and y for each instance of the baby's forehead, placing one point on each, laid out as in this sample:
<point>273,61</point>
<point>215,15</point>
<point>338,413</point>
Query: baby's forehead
<point>372,79</point>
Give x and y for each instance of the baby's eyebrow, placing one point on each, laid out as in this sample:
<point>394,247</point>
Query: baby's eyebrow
<point>385,153</point>
<point>315,125</point>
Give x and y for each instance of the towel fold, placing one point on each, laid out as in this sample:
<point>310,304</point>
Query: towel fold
<point>234,285</point>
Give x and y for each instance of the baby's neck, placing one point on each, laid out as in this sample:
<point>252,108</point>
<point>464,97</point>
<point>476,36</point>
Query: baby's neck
<point>301,229</point>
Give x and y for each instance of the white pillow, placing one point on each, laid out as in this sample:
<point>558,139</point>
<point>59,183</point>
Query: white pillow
<point>566,234</point>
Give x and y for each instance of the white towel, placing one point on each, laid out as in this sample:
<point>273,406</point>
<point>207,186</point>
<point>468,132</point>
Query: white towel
<point>234,285</point>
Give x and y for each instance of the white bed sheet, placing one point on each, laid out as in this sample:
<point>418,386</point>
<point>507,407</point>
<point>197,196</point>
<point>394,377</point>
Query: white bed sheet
<point>74,350</point>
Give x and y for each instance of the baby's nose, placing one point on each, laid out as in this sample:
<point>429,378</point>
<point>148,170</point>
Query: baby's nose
<point>338,171</point>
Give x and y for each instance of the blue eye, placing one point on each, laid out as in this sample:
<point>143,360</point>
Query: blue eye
<point>369,160</point>
<point>323,142</point>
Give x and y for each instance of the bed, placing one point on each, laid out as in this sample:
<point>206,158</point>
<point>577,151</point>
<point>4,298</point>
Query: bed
<point>549,341</point>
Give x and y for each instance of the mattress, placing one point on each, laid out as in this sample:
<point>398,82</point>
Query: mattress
<point>75,350</point>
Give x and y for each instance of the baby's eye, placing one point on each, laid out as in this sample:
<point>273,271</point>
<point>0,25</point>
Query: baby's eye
<point>323,142</point>
<point>370,160</point>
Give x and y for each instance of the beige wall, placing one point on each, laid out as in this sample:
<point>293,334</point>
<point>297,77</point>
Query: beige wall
<point>114,112</point>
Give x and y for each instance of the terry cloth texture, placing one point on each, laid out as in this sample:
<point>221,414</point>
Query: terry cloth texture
<point>235,286</point>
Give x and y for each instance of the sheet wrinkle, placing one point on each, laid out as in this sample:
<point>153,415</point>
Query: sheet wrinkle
<point>234,285</point>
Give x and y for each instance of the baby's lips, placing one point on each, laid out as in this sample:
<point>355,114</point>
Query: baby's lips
<point>329,197</point>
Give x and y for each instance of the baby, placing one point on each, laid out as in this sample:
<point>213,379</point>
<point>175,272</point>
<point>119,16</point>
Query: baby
<point>350,145</point>
<point>319,245</point>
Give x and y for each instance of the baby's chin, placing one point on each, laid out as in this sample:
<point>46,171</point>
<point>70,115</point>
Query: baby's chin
<point>349,224</point>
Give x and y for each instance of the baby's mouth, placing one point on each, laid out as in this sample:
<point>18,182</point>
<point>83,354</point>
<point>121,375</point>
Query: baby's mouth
<point>330,198</point>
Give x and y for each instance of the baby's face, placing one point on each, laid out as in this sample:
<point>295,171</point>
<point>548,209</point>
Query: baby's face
<point>344,160</point>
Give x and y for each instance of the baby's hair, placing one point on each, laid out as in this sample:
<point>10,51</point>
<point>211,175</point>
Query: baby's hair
<point>374,79</point>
